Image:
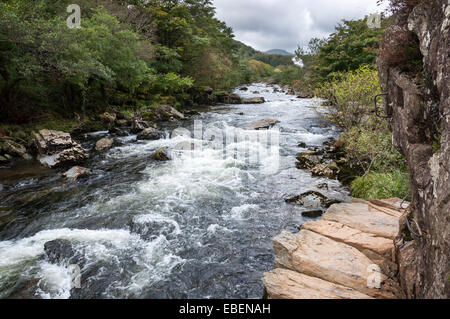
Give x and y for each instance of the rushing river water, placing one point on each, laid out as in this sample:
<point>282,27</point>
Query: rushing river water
<point>195,227</point>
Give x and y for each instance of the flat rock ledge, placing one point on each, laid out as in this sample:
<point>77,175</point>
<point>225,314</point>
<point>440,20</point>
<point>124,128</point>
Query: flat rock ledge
<point>348,254</point>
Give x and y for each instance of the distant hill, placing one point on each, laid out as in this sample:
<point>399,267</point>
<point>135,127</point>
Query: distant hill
<point>279,51</point>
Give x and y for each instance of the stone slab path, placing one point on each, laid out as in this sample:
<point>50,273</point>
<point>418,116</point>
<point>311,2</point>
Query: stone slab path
<point>348,254</point>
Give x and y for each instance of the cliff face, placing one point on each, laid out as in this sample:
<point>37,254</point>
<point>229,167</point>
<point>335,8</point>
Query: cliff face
<point>418,109</point>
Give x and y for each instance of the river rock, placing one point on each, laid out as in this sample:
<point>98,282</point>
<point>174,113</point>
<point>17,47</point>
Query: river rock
<point>313,213</point>
<point>166,113</point>
<point>318,256</point>
<point>57,148</point>
<point>12,148</point>
<point>138,125</point>
<point>162,154</point>
<point>108,118</point>
<point>322,186</point>
<point>325,170</point>
<point>77,172</point>
<point>59,251</point>
<point>302,144</point>
<point>262,124</point>
<point>3,159</point>
<point>243,88</point>
<point>149,134</point>
<point>311,199</point>
<point>307,161</point>
<point>288,284</point>
<point>229,98</point>
<point>365,218</point>
<point>104,144</point>
<point>122,123</point>
<point>118,131</point>
<point>254,100</point>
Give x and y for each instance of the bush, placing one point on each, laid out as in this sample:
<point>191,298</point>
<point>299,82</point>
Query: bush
<point>350,98</point>
<point>382,185</point>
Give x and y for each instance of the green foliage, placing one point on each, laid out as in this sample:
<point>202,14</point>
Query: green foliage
<point>350,97</point>
<point>274,59</point>
<point>377,185</point>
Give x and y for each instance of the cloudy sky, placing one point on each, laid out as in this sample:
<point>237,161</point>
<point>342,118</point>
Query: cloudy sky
<point>282,24</point>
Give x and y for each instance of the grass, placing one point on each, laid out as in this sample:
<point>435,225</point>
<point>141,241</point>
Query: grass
<point>377,185</point>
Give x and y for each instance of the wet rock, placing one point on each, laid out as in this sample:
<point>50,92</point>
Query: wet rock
<point>149,134</point>
<point>311,199</point>
<point>229,98</point>
<point>255,92</point>
<point>302,145</point>
<point>137,125</point>
<point>313,213</point>
<point>262,124</point>
<point>288,284</point>
<point>12,148</point>
<point>254,100</point>
<point>307,161</point>
<point>122,123</point>
<point>322,186</point>
<point>162,154</point>
<point>77,172</point>
<point>104,144</point>
<point>108,118</point>
<point>330,170</point>
<point>243,88</point>
<point>59,251</point>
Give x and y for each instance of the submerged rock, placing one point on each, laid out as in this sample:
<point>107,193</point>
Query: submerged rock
<point>59,251</point>
<point>262,124</point>
<point>104,144</point>
<point>162,154</point>
<point>77,172</point>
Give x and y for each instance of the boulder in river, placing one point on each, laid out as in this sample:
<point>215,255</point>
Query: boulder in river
<point>262,124</point>
<point>77,172</point>
<point>137,125</point>
<point>312,199</point>
<point>57,148</point>
<point>244,88</point>
<point>229,98</point>
<point>59,251</point>
<point>104,144</point>
<point>162,154</point>
<point>166,113</point>
<point>149,134</point>
<point>307,161</point>
<point>254,100</point>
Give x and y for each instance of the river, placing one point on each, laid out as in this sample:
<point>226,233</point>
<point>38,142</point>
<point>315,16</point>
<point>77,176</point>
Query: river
<point>199,226</point>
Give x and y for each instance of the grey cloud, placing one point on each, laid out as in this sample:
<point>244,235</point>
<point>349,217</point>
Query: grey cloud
<point>269,24</point>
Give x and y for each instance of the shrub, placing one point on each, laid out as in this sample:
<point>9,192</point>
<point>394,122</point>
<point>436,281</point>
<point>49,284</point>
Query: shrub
<point>350,98</point>
<point>382,185</point>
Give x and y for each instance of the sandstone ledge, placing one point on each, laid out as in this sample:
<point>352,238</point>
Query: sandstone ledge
<point>336,257</point>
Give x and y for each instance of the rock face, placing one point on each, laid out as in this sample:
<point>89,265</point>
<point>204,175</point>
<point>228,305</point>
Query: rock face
<point>418,111</point>
<point>103,144</point>
<point>262,124</point>
<point>57,148</point>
